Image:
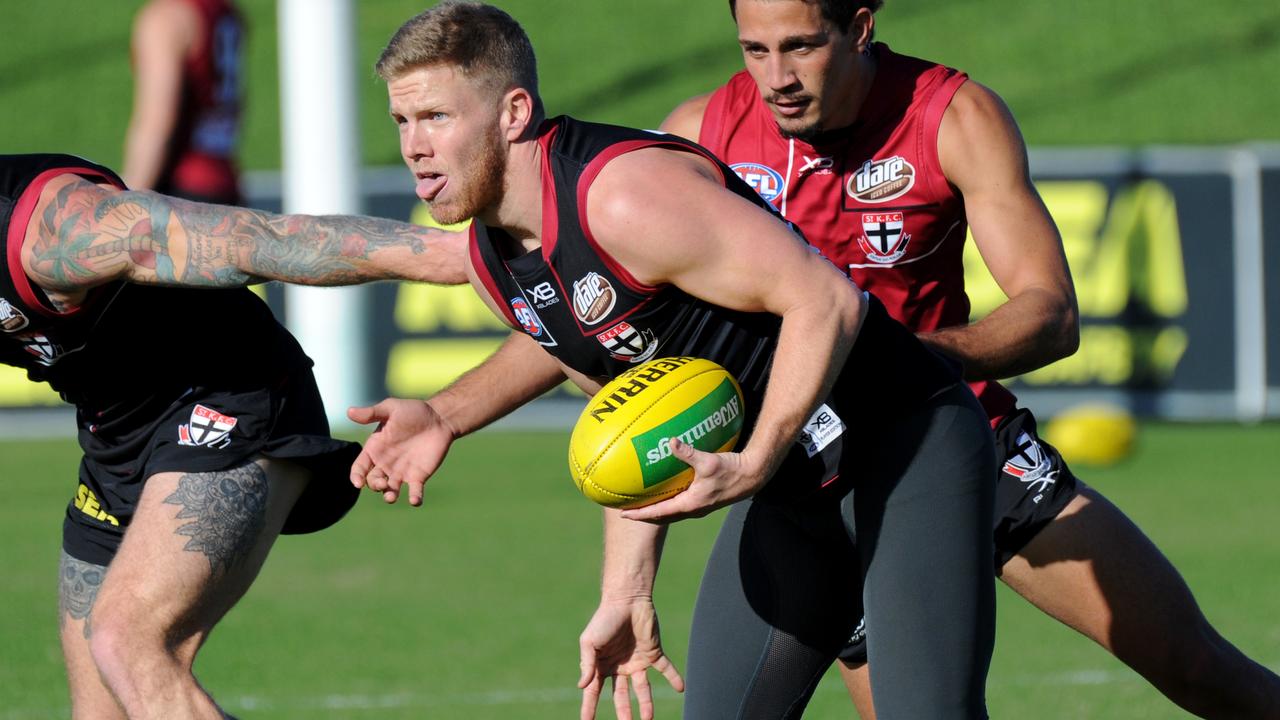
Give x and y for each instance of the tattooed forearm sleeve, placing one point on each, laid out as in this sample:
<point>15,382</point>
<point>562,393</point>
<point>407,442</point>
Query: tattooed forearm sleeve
<point>90,234</point>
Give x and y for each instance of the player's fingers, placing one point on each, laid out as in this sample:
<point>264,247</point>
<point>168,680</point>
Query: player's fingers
<point>415,492</point>
<point>390,496</point>
<point>702,463</point>
<point>621,700</point>
<point>677,508</point>
<point>644,695</point>
<point>377,479</point>
<point>369,414</point>
<point>590,697</point>
<point>586,661</point>
<point>360,468</point>
<point>668,669</point>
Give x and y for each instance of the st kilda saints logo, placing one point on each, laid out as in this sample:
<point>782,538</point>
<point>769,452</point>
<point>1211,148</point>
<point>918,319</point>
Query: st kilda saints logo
<point>45,350</point>
<point>1031,465</point>
<point>593,298</point>
<point>881,180</point>
<point>11,318</point>
<point>628,344</point>
<point>883,240</point>
<point>207,427</point>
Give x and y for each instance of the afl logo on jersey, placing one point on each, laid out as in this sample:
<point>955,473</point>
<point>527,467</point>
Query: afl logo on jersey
<point>593,298</point>
<point>763,179</point>
<point>881,180</point>
<point>525,315</point>
<point>11,318</point>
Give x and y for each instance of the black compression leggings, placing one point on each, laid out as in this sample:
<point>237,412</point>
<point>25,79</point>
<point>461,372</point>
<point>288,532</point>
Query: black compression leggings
<point>785,582</point>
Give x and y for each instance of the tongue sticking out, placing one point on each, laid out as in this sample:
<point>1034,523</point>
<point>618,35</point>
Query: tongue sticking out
<point>429,187</point>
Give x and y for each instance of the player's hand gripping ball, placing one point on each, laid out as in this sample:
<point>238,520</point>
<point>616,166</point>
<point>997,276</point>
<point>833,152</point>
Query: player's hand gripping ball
<point>620,454</point>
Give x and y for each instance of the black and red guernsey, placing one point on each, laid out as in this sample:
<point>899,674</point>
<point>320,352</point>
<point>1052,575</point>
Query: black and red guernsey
<point>126,342</point>
<point>596,318</point>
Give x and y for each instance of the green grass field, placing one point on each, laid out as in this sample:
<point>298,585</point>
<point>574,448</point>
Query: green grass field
<point>470,607</point>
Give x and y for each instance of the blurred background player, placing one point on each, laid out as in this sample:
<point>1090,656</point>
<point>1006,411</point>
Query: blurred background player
<point>187,66</point>
<point>203,434</point>
<point>881,160</point>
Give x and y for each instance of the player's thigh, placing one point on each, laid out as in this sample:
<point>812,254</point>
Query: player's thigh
<point>196,542</point>
<point>778,598</point>
<point>1096,571</point>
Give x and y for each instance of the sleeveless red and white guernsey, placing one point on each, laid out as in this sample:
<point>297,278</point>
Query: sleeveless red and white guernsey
<point>872,197</point>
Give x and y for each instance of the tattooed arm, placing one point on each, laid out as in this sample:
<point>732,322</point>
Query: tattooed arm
<point>82,235</point>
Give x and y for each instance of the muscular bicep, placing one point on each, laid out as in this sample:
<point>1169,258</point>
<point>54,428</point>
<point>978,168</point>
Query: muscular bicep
<point>667,218</point>
<point>983,155</point>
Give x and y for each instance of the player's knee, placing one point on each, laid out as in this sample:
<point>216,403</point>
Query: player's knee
<point>122,642</point>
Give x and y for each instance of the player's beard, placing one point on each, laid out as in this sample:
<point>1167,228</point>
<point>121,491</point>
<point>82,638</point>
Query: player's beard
<point>480,190</point>
<point>805,133</point>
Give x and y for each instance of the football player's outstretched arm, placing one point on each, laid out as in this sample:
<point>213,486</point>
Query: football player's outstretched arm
<point>83,234</point>
<point>413,436</point>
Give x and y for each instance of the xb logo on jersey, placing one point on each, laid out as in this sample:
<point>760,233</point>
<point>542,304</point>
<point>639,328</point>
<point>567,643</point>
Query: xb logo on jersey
<point>543,295</point>
<point>763,179</point>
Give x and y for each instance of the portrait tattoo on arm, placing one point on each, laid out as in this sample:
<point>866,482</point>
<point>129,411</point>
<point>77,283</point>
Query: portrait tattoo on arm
<point>227,510</point>
<point>90,235</point>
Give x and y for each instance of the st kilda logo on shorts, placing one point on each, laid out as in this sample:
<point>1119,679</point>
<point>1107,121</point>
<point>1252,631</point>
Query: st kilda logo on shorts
<point>11,318</point>
<point>1031,464</point>
<point>882,239</point>
<point>881,180</point>
<point>628,344</point>
<point>207,427</point>
<point>593,298</point>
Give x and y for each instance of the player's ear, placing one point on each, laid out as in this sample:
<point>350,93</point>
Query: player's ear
<point>862,27</point>
<point>519,113</point>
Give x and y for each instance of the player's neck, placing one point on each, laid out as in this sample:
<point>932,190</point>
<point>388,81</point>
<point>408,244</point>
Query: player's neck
<point>519,211</point>
<point>856,91</point>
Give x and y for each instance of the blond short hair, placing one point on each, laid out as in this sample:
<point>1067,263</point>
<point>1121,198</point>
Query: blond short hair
<point>482,41</point>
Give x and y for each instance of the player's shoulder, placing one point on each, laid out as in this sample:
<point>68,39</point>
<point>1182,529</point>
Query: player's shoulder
<point>686,119</point>
<point>160,20</point>
<point>975,111</point>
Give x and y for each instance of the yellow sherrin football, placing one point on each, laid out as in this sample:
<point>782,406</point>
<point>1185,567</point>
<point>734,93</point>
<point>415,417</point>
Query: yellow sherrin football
<point>619,453</point>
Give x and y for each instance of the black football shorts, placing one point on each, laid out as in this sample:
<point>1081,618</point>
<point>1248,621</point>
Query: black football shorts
<point>205,429</point>
<point>1033,486</point>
